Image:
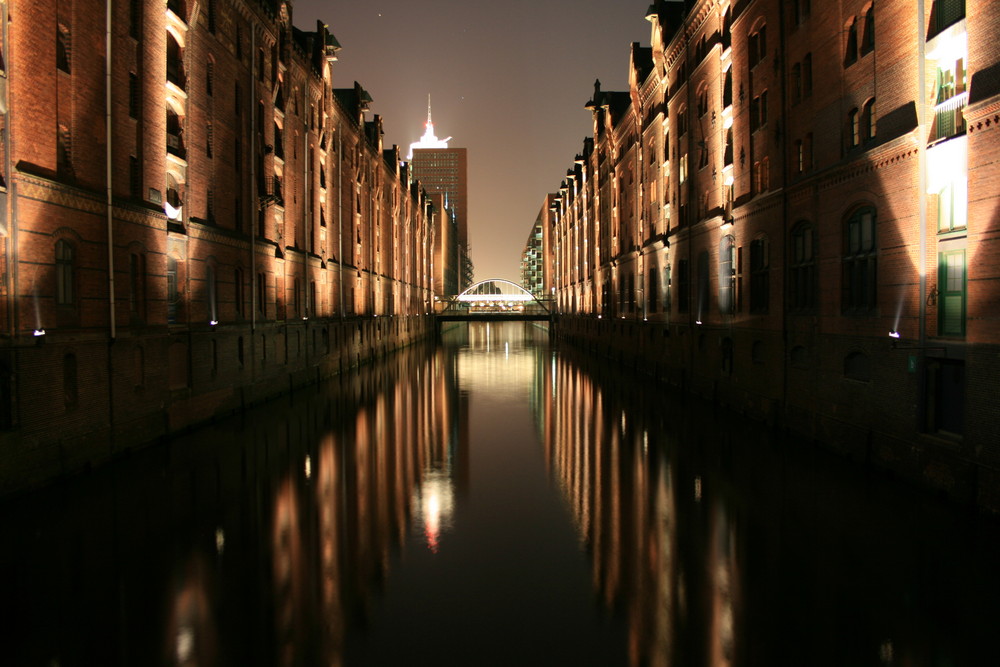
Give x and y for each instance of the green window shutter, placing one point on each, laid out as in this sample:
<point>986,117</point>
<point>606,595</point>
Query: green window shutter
<point>952,288</point>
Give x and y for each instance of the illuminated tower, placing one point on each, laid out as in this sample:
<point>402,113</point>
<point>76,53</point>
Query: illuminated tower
<point>442,170</point>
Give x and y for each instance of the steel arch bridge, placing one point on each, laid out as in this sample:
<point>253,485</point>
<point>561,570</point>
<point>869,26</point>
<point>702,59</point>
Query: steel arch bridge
<point>492,300</point>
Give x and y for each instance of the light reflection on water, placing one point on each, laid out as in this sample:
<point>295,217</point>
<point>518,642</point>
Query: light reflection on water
<point>491,501</point>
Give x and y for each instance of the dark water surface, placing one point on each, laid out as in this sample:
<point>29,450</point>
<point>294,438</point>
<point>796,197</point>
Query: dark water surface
<point>492,501</point>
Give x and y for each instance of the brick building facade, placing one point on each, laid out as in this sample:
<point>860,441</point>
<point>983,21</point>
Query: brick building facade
<point>792,210</point>
<point>194,218</point>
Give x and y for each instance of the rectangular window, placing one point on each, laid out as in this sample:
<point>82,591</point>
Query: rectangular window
<point>951,293</point>
<point>953,206</point>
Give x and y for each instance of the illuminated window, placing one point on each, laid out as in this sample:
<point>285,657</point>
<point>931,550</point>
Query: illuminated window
<point>727,275</point>
<point>868,121</point>
<point>853,128</point>
<point>860,262</point>
<point>953,206</point>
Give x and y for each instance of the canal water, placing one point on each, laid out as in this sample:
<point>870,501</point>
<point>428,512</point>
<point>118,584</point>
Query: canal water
<point>492,501</point>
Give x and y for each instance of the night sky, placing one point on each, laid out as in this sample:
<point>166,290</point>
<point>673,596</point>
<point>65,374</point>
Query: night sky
<point>508,81</point>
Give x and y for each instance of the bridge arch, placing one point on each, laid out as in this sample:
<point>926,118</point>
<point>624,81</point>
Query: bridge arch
<point>505,290</point>
<point>495,296</point>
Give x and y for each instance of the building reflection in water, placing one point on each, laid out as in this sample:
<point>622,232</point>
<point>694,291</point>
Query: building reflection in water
<point>271,539</point>
<point>722,546</point>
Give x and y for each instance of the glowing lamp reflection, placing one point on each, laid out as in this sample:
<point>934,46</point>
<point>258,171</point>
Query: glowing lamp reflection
<point>437,506</point>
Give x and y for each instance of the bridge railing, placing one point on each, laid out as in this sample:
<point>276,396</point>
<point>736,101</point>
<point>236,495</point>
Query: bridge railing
<point>496,306</point>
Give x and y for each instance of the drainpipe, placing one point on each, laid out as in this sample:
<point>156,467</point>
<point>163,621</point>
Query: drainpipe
<point>256,195</point>
<point>108,168</point>
<point>340,215</point>
<point>110,211</point>
<point>11,274</point>
<point>922,208</point>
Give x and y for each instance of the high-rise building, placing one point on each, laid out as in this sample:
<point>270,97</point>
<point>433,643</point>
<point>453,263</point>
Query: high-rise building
<point>442,170</point>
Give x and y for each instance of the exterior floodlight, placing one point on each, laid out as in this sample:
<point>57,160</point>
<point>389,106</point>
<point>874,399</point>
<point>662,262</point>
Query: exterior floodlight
<point>893,334</point>
<point>39,332</point>
<point>212,323</point>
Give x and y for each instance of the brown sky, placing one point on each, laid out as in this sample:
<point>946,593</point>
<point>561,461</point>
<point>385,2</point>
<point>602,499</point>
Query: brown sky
<point>508,80</point>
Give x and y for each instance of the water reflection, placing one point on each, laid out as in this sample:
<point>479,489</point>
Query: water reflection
<point>723,546</point>
<point>491,501</point>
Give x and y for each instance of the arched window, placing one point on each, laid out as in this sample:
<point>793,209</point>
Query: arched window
<point>860,262</point>
<point>757,45</point>
<point>868,37</point>
<point>868,121</point>
<point>851,48</point>
<point>853,128</point>
<point>727,275</point>
<point>802,276</point>
<point>702,100</point>
<point>65,270</point>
